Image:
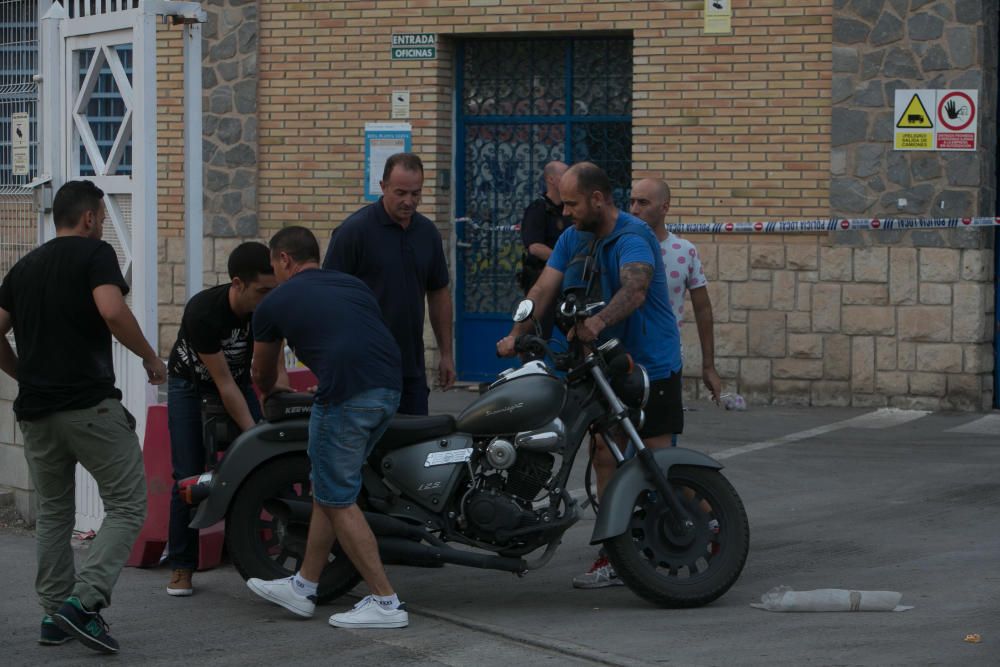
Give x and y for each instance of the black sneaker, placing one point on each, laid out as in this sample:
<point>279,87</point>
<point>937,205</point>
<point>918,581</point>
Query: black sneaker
<point>87,626</point>
<point>52,634</point>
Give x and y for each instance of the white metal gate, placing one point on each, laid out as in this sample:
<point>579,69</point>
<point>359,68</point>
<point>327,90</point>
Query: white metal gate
<point>98,120</point>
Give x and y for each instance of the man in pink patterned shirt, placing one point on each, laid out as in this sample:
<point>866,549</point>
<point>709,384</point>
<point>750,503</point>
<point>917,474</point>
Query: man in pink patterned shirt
<point>650,201</point>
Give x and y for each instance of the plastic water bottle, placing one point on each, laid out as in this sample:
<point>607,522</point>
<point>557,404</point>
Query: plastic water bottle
<point>733,402</point>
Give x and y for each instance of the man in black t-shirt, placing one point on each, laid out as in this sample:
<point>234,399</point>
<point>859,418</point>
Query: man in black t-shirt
<point>64,301</point>
<point>211,361</point>
<point>541,227</point>
<point>398,253</point>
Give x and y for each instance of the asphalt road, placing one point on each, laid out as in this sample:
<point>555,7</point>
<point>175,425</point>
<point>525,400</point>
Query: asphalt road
<point>837,498</point>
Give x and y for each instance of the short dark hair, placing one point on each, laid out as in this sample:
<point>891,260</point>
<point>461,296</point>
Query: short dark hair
<point>408,161</point>
<point>74,199</point>
<point>297,242</point>
<point>591,178</point>
<point>249,260</point>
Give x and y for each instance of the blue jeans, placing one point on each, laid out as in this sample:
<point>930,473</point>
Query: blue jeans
<point>187,455</point>
<point>341,436</point>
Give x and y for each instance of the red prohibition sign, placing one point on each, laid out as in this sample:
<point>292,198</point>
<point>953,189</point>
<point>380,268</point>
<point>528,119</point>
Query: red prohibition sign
<point>968,121</point>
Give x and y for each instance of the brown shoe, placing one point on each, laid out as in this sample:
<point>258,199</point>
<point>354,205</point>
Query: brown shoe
<point>180,583</point>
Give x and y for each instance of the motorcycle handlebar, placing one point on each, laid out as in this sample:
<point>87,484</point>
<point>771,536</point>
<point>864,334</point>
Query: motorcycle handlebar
<point>530,344</point>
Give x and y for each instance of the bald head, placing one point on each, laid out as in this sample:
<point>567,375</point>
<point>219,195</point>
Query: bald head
<point>589,178</point>
<point>554,169</point>
<point>650,201</point>
<point>552,174</point>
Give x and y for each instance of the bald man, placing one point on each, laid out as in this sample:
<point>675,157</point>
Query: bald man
<point>650,201</point>
<point>541,227</point>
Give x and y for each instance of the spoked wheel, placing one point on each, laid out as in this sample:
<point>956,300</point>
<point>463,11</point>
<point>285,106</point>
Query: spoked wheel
<point>268,523</point>
<point>676,566</point>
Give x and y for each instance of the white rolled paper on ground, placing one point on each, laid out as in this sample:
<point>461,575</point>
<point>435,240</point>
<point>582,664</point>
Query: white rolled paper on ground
<point>784,598</point>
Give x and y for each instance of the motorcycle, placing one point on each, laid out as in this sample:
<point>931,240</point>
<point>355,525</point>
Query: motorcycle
<point>483,490</point>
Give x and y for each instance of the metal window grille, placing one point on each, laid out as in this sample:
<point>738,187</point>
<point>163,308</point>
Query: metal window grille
<point>106,110</point>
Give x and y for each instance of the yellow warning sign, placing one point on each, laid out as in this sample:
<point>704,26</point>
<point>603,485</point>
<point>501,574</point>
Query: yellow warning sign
<point>915,116</point>
<point>914,141</point>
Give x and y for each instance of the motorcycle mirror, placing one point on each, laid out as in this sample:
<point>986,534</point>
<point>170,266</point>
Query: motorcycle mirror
<point>524,310</point>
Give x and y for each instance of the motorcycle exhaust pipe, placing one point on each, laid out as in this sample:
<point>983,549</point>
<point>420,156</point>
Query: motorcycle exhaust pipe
<point>387,526</point>
<point>400,551</point>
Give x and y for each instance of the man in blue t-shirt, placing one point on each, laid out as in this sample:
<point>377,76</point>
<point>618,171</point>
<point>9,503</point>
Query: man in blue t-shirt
<point>638,312</point>
<point>332,322</point>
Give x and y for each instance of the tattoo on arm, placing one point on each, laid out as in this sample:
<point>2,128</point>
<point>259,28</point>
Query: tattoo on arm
<point>635,278</point>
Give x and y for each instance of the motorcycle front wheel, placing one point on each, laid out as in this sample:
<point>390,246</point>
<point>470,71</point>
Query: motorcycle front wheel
<point>676,567</point>
<point>268,523</point>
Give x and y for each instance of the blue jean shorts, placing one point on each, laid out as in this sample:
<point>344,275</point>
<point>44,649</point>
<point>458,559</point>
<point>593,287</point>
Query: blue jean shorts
<point>341,436</point>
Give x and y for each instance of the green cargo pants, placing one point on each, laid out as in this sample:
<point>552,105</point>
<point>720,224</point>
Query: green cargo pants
<point>103,442</point>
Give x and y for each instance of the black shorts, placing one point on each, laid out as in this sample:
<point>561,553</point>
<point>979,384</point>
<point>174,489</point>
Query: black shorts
<point>665,409</point>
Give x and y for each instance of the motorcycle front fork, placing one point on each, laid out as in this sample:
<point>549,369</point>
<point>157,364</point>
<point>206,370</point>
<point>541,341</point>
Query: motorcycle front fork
<point>654,473</point>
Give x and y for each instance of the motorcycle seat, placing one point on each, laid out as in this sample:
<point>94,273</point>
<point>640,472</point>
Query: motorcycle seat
<point>288,405</point>
<point>406,429</point>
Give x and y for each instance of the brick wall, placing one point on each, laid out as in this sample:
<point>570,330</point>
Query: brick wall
<point>170,181</point>
<point>743,117</point>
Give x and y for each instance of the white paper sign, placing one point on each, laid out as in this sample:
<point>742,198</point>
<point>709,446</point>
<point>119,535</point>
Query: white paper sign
<point>19,142</point>
<point>400,104</point>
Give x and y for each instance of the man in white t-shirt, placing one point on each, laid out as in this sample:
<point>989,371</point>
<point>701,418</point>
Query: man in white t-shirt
<point>650,201</point>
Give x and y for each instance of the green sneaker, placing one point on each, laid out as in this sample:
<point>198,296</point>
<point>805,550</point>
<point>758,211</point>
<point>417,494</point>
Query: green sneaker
<point>52,634</point>
<point>87,626</point>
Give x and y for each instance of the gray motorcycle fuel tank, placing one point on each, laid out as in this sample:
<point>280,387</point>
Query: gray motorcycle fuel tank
<point>519,404</point>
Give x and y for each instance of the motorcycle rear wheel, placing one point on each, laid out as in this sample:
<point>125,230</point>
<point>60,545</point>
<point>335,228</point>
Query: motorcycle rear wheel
<point>264,545</point>
<point>682,570</point>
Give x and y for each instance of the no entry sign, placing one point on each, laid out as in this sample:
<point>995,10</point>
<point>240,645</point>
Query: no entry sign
<point>956,120</point>
<point>942,120</point>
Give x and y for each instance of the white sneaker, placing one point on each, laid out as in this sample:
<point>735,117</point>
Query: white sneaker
<point>370,614</point>
<point>282,592</point>
<point>600,575</point>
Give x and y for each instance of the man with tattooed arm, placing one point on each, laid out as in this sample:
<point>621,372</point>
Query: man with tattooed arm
<point>638,312</point>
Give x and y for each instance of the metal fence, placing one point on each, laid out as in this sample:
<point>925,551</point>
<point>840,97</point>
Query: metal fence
<point>18,116</point>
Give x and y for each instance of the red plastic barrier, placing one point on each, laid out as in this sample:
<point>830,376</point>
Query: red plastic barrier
<point>148,548</point>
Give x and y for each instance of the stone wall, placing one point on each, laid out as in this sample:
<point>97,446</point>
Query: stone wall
<point>229,78</point>
<point>881,46</point>
<point>807,323</point>
<point>14,475</point>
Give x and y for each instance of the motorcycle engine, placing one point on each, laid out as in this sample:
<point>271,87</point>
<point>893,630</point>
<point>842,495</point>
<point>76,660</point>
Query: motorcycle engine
<point>503,501</point>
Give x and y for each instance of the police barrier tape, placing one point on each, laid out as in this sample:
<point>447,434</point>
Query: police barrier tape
<point>832,225</point>
<point>794,226</point>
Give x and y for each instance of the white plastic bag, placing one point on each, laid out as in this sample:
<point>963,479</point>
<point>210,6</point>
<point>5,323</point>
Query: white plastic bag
<point>784,598</point>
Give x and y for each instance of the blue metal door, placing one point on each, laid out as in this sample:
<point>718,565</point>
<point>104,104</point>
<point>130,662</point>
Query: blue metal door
<point>523,103</point>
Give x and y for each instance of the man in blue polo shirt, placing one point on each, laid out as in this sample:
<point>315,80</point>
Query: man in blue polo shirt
<point>398,253</point>
<point>638,312</point>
